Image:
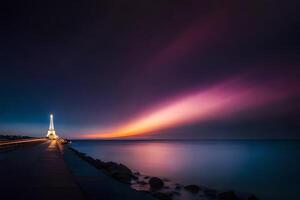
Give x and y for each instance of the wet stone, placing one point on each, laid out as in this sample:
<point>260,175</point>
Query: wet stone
<point>156,183</point>
<point>192,188</point>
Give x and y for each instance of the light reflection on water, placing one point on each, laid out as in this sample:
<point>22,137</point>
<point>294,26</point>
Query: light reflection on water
<point>269,169</point>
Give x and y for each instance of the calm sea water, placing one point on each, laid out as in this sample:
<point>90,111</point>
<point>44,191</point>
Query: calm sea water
<point>269,169</point>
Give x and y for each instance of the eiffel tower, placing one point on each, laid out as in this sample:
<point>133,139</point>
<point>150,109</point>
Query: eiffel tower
<point>51,132</point>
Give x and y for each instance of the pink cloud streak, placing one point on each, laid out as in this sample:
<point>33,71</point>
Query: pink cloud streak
<point>220,101</point>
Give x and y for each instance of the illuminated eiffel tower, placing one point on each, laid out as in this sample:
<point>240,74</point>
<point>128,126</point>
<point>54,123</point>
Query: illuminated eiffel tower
<point>51,132</point>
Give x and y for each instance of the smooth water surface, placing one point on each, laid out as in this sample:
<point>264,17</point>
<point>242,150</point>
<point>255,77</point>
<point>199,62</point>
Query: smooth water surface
<point>269,169</point>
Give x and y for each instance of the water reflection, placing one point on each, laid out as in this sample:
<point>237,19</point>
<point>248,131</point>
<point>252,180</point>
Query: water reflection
<point>267,168</point>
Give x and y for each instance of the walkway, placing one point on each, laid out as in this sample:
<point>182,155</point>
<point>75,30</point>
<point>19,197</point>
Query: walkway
<point>98,186</point>
<point>36,171</point>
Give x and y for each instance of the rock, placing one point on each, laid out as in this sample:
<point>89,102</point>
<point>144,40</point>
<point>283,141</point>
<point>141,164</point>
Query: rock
<point>110,167</point>
<point>118,171</point>
<point>230,195</point>
<point>210,192</point>
<point>134,177</point>
<point>99,164</point>
<point>178,187</point>
<point>192,188</point>
<point>77,152</point>
<point>176,193</point>
<point>125,178</point>
<point>81,154</point>
<point>113,167</point>
<point>156,183</point>
<point>163,196</point>
<point>137,173</point>
<point>142,182</point>
<point>124,169</point>
<point>252,197</point>
<point>144,191</point>
<point>89,159</point>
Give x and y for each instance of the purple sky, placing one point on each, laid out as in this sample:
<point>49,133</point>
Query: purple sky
<point>100,66</point>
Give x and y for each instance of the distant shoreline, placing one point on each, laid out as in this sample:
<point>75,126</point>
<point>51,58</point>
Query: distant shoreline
<point>249,139</point>
<point>14,137</point>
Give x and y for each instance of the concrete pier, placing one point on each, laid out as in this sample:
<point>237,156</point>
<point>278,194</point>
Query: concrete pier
<point>37,171</point>
<point>47,170</point>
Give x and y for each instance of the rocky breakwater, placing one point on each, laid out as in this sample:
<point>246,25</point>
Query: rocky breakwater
<point>160,188</point>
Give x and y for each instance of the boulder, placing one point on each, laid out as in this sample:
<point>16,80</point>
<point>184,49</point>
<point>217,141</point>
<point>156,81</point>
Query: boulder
<point>81,154</point>
<point>113,167</point>
<point>134,177</point>
<point>210,192</point>
<point>156,183</point>
<point>229,195</point>
<point>110,167</point>
<point>125,178</point>
<point>176,193</point>
<point>99,164</point>
<point>163,196</point>
<point>89,159</point>
<point>177,187</point>
<point>144,191</point>
<point>192,188</point>
<point>137,173</point>
<point>252,197</point>
<point>124,169</point>
<point>142,182</point>
<point>118,171</point>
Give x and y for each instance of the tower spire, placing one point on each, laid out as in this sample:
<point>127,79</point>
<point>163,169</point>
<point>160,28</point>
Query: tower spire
<point>51,126</point>
<point>51,132</point>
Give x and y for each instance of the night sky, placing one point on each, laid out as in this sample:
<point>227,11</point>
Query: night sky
<point>150,69</point>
